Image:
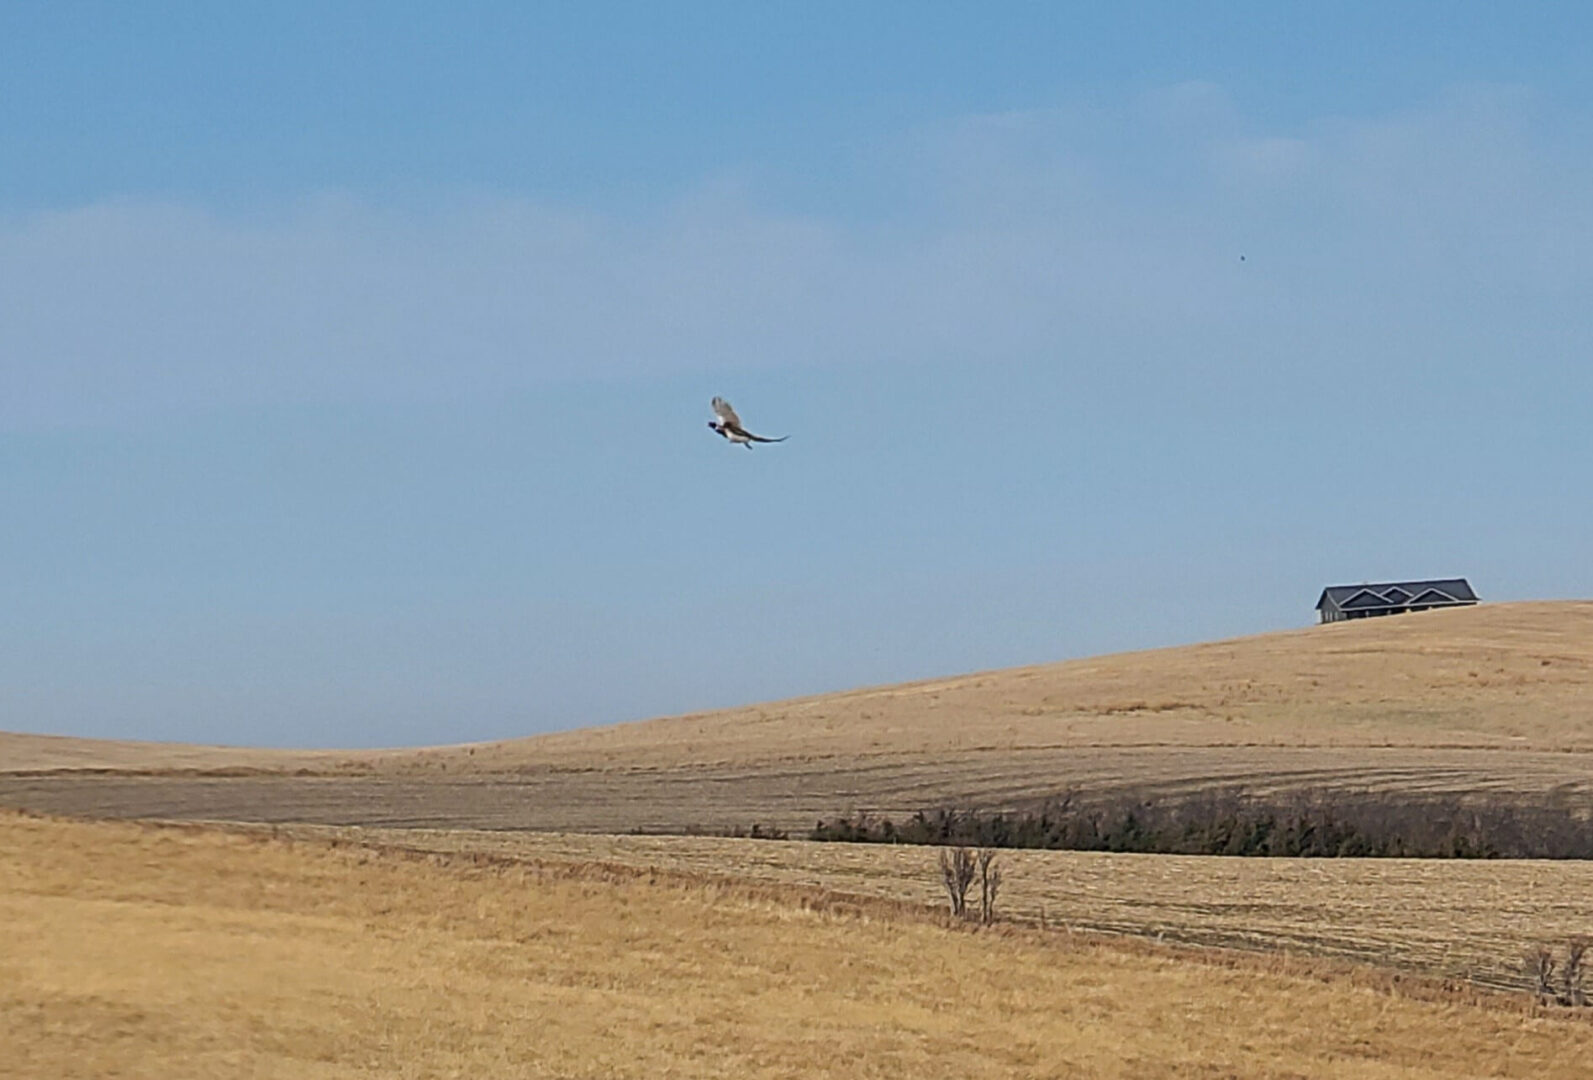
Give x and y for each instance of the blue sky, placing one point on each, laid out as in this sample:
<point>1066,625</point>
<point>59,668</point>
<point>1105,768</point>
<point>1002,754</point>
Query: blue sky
<point>355,358</point>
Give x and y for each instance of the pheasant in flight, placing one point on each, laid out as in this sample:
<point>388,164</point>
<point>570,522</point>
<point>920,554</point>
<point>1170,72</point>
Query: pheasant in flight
<point>728,424</point>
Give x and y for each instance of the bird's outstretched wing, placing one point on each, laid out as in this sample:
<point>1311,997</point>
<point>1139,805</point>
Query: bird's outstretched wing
<point>729,425</point>
<point>723,410</point>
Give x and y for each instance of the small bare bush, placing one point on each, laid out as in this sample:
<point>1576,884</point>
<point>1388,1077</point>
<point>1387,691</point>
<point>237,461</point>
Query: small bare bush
<point>956,875</point>
<point>1539,963</point>
<point>1541,967</point>
<point>989,885</point>
<point>1571,975</point>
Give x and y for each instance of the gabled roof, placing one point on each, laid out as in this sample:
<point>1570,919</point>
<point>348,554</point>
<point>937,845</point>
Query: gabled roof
<point>1434,596</point>
<point>1398,594</point>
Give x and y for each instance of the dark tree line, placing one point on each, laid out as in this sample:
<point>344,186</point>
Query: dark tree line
<point>1312,824</point>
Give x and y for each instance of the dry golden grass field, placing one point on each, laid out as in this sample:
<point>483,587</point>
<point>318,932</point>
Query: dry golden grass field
<point>1466,920</point>
<point>1493,702</point>
<point>137,950</point>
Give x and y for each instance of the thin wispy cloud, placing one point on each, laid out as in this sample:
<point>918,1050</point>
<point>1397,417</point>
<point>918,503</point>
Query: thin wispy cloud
<point>1075,233</point>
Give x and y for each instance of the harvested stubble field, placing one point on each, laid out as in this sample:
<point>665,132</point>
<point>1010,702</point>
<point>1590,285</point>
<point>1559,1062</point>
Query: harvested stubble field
<point>1466,920</point>
<point>1493,702</point>
<point>148,951</point>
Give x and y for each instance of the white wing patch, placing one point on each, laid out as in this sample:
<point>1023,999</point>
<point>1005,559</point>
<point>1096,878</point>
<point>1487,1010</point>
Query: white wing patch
<point>723,410</point>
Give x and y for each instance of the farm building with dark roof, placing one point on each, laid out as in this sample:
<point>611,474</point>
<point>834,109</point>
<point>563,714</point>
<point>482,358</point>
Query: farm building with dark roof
<point>1340,602</point>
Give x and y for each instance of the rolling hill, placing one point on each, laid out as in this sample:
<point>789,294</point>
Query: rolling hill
<point>1494,701</point>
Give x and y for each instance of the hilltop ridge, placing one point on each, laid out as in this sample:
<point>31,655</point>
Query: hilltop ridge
<point>1486,676</point>
<point>1494,700</point>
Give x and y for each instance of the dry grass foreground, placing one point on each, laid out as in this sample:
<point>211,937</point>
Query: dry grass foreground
<point>1491,701</point>
<point>140,951</point>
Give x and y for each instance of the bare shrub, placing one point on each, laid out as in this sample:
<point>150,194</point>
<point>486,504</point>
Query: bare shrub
<point>989,885</point>
<point>1540,972</point>
<point>1541,968</point>
<point>956,875</point>
<point>1571,975</point>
